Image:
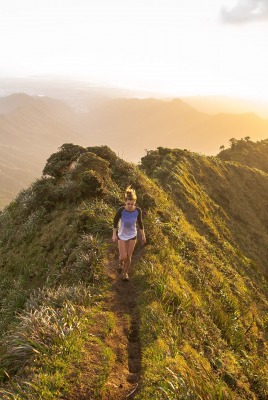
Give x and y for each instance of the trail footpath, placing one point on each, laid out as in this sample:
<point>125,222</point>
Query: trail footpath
<point>123,340</point>
<point>124,379</point>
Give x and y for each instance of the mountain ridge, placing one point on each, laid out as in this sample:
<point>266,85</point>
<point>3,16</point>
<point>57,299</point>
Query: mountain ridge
<point>201,288</point>
<point>247,152</point>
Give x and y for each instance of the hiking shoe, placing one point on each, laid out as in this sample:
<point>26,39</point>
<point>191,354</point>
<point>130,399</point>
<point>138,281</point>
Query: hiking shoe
<point>125,277</point>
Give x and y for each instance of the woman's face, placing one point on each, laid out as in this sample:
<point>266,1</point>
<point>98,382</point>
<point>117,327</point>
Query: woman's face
<point>130,205</point>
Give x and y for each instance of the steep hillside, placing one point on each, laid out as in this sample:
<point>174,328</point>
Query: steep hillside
<point>35,123</point>
<point>14,101</point>
<point>219,198</point>
<point>31,128</point>
<point>247,152</point>
<point>198,290</point>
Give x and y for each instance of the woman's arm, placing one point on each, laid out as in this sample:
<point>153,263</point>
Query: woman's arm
<point>116,220</point>
<point>143,237</point>
<point>114,238</point>
<point>140,223</point>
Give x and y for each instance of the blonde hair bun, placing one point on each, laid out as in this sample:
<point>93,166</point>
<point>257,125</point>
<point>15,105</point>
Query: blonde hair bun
<point>130,194</point>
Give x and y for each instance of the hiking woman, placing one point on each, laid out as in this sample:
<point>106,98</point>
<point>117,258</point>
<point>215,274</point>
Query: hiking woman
<point>126,217</point>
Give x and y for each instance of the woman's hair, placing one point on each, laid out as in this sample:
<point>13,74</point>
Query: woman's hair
<point>130,194</point>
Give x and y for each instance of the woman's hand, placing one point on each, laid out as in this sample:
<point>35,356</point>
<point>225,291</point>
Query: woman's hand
<point>143,238</point>
<point>114,238</point>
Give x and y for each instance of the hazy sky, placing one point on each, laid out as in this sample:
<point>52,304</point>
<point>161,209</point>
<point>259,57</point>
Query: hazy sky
<point>181,47</point>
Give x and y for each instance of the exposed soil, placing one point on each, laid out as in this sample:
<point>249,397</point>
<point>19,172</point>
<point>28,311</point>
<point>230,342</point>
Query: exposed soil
<point>124,379</point>
<point>124,341</point>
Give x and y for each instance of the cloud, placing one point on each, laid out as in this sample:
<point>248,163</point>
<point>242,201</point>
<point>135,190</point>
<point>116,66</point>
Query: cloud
<point>246,11</point>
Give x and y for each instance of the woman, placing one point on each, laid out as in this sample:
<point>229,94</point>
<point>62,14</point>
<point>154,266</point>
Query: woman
<point>127,216</point>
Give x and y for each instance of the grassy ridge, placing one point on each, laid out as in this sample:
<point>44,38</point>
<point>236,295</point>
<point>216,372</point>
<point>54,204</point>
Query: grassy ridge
<point>201,282</point>
<point>211,300</point>
<point>246,152</point>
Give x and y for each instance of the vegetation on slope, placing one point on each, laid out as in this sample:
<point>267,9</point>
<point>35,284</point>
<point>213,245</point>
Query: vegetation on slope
<point>202,293</point>
<point>212,297</point>
<point>53,247</point>
<point>247,152</point>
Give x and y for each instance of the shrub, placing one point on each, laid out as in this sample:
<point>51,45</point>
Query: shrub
<point>104,152</point>
<point>89,161</point>
<point>91,184</point>
<point>58,162</point>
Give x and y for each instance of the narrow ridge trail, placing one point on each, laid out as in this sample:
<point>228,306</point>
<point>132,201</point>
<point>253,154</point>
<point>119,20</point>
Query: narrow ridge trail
<point>119,304</point>
<point>123,383</point>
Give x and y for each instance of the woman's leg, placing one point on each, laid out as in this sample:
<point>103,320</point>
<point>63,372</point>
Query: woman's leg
<point>130,245</point>
<point>122,247</point>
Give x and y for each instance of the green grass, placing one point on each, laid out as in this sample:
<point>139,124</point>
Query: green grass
<point>201,280</point>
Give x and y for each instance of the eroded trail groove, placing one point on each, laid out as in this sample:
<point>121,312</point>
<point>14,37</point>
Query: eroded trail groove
<point>125,342</point>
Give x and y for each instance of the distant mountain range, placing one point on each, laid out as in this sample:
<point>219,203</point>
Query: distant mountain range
<point>228,105</point>
<point>32,127</point>
<point>129,126</point>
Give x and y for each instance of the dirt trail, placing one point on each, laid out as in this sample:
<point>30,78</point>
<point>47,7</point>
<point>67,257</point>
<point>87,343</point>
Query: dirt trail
<point>124,380</point>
